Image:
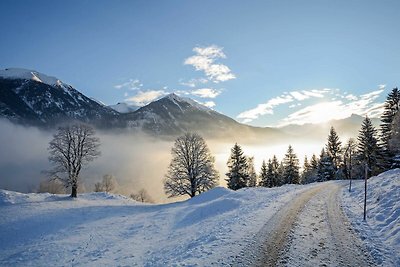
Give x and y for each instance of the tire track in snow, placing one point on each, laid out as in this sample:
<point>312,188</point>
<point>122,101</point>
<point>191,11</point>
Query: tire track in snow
<point>275,232</point>
<point>322,235</point>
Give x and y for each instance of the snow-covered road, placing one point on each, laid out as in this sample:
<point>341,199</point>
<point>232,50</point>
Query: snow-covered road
<point>310,231</point>
<point>323,236</point>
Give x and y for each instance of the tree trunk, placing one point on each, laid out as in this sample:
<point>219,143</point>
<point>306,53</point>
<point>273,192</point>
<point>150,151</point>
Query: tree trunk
<point>74,190</point>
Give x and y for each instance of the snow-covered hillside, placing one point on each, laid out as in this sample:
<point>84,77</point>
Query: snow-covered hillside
<point>381,230</point>
<point>25,74</point>
<point>219,227</point>
<point>101,229</point>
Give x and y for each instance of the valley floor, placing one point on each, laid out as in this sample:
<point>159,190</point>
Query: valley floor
<point>219,227</point>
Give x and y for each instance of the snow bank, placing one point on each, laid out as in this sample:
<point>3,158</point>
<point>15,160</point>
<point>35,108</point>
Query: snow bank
<point>381,230</point>
<point>103,229</point>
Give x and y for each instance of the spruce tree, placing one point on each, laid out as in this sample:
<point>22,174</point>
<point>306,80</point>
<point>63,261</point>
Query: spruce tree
<point>349,158</point>
<point>264,179</point>
<point>326,170</point>
<point>368,149</point>
<point>394,142</point>
<point>306,171</point>
<point>291,167</point>
<point>276,170</point>
<point>314,163</point>
<point>392,106</point>
<point>333,148</point>
<point>252,182</point>
<point>237,164</point>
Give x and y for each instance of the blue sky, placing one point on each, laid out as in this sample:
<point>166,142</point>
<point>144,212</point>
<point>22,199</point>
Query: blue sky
<point>260,62</point>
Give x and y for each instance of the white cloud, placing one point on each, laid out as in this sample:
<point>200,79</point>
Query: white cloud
<point>351,97</point>
<point>144,97</point>
<point>336,110</point>
<point>382,86</point>
<point>209,104</point>
<point>204,60</point>
<point>330,109</point>
<point>299,96</point>
<point>286,97</point>
<point>132,84</point>
<point>262,109</point>
<point>193,82</point>
<point>206,92</point>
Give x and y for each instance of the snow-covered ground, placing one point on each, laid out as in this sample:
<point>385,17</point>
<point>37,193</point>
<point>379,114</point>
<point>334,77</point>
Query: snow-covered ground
<point>101,229</point>
<point>218,227</point>
<point>381,230</point>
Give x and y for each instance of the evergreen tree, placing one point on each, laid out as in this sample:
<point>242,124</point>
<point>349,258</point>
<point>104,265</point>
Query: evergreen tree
<point>394,142</point>
<point>237,164</point>
<point>349,158</point>
<point>326,170</point>
<point>252,182</point>
<point>276,170</point>
<point>368,149</point>
<point>392,106</point>
<point>314,163</point>
<point>306,171</point>
<point>333,148</point>
<point>291,167</point>
<point>280,174</point>
<point>264,179</point>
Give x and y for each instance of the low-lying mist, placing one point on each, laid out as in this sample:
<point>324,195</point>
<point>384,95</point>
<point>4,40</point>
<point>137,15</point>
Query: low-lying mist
<point>136,160</point>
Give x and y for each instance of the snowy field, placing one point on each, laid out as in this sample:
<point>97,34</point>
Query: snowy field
<point>215,228</point>
<point>381,231</point>
<point>101,229</point>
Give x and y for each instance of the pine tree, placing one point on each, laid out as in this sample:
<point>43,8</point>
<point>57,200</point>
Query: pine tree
<point>392,106</point>
<point>333,148</point>
<point>368,149</point>
<point>252,182</point>
<point>291,167</point>
<point>306,171</point>
<point>237,165</point>
<point>326,170</point>
<point>349,158</point>
<point>394,142</point>
<point>276,170</point>
<point>314,163</point>
<point>281,174</point>
<point>264,179</point>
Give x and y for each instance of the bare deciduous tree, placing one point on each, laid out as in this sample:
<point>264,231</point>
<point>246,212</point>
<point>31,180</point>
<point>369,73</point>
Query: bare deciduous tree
<point>142,196</point>
<point>52,186</point>
<point>191,170</point>
<point>72,147</point>
<point>108,184</point>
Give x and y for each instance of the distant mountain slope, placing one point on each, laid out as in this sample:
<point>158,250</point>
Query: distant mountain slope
<point>32,98</point>
<point>348,127</point>
<point>124,107</point>
<point>29,97</point>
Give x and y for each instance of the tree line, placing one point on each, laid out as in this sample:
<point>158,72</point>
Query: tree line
<point>376,151</point>
<point>191,170</point>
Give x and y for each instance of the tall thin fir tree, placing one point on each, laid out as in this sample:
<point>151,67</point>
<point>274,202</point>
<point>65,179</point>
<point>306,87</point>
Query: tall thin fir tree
<point>394,142</point>
<point>368,148</point>
<point>276,172</point>
<point>326,170</point>
<point>305,176</point>
<point>280,174</point>
<point>264,179</point>
<point>334,148</point>
<point>291,167</point>
<point>252,182</point>
<point>391,107</point>
<point>237,164</point>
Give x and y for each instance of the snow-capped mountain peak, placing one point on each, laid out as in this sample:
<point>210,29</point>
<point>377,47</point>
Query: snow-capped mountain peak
<point>123,107</point>
<point>25,74</point>
<point>178,99</point>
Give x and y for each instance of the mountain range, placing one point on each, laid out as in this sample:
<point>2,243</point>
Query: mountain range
<point>32,98</point>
